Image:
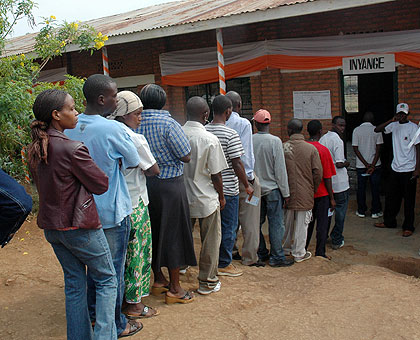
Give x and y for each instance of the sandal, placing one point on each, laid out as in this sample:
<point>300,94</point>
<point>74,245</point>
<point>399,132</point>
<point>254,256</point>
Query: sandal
<point>134,328</point>
<point>158,291</point>
<point>187,298</point>
<point>142,314</point>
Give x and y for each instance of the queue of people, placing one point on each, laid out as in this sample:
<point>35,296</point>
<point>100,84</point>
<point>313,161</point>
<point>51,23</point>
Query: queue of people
<point>122,185</point>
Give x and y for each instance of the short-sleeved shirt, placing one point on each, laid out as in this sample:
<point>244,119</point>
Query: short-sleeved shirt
<point>207,158</point>
<point>167,141</point>
<point>404,157</point>
<point>331,140</point>
<point>366,139</point>
<point>232,148</point>
<point>328,167</point>
<point>108,144</point>
<point>135,178</point>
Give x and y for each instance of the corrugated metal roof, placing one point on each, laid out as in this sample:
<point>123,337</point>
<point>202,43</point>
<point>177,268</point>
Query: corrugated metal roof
<point>162,16</point>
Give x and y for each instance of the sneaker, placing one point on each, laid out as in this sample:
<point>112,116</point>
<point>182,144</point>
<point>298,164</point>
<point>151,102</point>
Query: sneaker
<point>207,291</point>
<point>230,270</point>
<point>307,256</point>
<point>377,215</point>
<point>183,270</point>
<point>337,246</point>
<point>281,263</point>
<point>360,215</point>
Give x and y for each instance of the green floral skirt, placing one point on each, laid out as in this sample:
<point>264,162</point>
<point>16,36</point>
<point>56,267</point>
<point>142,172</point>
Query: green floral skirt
<point>139,256</point>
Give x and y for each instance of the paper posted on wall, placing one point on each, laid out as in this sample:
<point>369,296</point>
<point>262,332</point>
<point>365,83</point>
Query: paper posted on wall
<point>312,104</point>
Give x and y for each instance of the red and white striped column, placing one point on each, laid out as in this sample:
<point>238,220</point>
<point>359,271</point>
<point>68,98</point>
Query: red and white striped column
<point>220,61</point>
<point>105,60</point>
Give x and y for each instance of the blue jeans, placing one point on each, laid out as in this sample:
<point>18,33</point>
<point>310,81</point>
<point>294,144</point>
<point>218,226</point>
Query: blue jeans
<point>117,238</point>
<point>15,206</point>
<point>229,219</point>
<point>374,180</point>
<point>76,250</point>
<point>272,207</point>
<point>341,201</point>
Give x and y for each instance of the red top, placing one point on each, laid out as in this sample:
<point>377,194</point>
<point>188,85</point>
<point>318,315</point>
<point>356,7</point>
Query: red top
<point>327,167</point>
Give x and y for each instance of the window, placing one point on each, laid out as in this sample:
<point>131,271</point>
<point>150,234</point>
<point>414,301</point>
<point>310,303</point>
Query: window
<point>209,91</point>
<point>351,94</point>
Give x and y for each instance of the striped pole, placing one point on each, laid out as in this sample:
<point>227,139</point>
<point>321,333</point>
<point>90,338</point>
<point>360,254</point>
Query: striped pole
<point>105,61</point>
<point>220,61</point>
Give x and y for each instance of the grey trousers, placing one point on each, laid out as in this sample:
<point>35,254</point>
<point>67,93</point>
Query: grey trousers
<point>296,223</point>
<point>210,234</point>
<point>249,219</point>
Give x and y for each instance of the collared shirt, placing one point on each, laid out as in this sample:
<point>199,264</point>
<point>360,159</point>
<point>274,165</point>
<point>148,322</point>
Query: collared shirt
<point>207,158</point>
<point>232,148</point>
<point>108,144</point>
<point>167,141</point>
<point>331,140</point>
<point>366,139</point>
<point>270,165</point>
<point>404,157</point>
<point>243,127</point>
<point>135,177</point>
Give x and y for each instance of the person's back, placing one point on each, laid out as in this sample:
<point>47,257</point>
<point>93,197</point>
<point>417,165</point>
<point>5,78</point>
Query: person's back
<point>366,139</point>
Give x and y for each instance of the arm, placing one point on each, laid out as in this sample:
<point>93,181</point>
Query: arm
<point>316,169</point>
<point>87,172</point>
<point>218,185</point>
<point>416,172</point>
<point>238,167</point>
<point>280,171</point>
<point>152,171</point>
<point>381,127</point>
<point>375,159</point>
<point>178,142</point>
<point>186,158</point>
<point>328,186</point>
<point>248,158</point>
<point>359,155</point>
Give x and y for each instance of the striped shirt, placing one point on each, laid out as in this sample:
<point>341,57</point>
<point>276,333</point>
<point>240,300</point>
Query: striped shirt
<point>232,148</point>
<point>167,141</point>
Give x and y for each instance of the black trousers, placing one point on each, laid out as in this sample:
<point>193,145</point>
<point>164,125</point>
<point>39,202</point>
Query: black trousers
<point>400,187</point>
<point>319,215</point>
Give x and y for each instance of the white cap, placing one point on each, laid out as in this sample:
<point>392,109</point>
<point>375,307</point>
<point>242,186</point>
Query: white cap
<point>402,107</point>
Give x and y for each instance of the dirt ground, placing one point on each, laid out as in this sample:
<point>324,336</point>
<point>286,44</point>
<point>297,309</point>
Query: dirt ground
<point>357,295</point>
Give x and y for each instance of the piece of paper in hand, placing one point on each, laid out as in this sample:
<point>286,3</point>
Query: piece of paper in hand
<point>254,200</point>
<point>330,212</point>
<point>415,137</point>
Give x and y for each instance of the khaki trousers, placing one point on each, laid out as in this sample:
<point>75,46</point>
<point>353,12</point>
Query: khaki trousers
<point>249,219</point>
<point>210,233</point>
<point>296,223</point>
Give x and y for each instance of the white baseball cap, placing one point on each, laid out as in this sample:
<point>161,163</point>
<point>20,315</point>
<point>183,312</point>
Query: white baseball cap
<point>402,107</point>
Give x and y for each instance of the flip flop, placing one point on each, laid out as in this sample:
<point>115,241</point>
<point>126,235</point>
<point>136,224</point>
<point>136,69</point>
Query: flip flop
<point>158,291</point>
<point>134,328</point>
<point>187,298</point>
<point>143,314</point>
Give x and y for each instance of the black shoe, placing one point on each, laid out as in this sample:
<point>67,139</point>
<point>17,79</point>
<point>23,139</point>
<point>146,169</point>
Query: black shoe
<point>282,263</point>
<point>264,258</point>
<point>236,256</point>
<point>258,264</point>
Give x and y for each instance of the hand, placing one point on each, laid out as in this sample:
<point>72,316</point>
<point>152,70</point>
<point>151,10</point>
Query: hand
<point>250,191</point>
<point>415,174</point>
<point>370,170</point>
<point>286,202</point>
<point>332,204</point>
<point>222,202</point>
<point>346,164</point>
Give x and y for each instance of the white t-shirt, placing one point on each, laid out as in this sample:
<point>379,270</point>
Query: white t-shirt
<point>135,178</point>
<point>331,140</point>
<point>366,139</point>
<point>404,157</point>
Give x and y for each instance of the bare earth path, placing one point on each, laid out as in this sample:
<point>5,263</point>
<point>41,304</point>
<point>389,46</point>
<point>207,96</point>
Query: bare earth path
<point>354,296</point>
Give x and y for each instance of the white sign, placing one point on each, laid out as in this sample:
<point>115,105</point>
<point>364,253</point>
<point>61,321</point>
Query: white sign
<point>371,63</point>
<point>312,104</point>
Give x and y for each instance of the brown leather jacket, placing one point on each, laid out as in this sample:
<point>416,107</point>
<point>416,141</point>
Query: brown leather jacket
<point>65,185</point>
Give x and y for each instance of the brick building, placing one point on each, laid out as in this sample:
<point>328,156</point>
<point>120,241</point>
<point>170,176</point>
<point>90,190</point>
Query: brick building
<point>140,40</point>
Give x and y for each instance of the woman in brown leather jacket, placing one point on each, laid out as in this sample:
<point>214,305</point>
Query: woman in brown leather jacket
<point>66,176</point>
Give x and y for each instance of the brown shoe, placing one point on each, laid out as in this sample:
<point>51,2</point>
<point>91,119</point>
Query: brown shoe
<point>382,225</point>
<point>407,233</point>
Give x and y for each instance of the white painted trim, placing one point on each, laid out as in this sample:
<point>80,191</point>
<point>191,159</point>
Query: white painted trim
<point>134,81</point>
<point>281,12</point>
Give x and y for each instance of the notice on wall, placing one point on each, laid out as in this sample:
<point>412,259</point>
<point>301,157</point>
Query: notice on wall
<point>371,63</point>
<point>312,104</point>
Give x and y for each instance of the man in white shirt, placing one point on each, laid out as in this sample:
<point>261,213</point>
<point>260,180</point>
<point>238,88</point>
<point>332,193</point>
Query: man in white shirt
<point>340,182</point>
<point>249,215</point>
<point>203,181</point>
<point>404,170</point>
<point>367,147</point>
